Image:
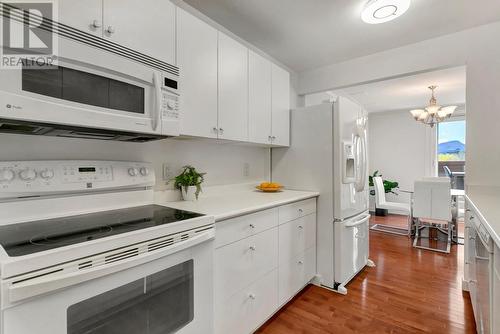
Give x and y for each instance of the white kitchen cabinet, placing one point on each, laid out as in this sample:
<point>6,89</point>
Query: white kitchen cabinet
<point>85,15</point>
<point>296,210</point>
<point>238,228</point>
<point>197,59</point>
<point>280,106</point>
<point>146,26</point>
<point>259,99</point>
<point>233,89</point>
<point>241,263</point>
<point>295,274</point>
<point>296,236</point>
<point>261,261</point>
<point>247,309</point>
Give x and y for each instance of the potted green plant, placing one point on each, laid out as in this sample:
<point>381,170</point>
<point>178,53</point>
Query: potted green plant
<point>189,182</point>
<point>389,187</point>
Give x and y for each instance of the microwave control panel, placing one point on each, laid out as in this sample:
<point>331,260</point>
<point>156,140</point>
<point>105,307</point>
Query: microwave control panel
<point>169,105</point>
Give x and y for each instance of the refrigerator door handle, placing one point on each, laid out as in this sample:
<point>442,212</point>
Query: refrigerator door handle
<point>359,222</point>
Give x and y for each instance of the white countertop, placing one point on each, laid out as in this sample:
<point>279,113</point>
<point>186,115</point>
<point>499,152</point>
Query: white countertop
<point>228,202</point>
<point>487,201</point>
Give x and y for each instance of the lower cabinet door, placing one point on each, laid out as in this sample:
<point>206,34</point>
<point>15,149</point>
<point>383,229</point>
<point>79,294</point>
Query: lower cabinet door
<point>295,274</point>
<point>247,309</point>
<point>239,264</point>
<point>296,236</point>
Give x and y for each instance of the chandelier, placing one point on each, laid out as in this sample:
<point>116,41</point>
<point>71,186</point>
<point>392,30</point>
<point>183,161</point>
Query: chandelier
<point>433,113</point>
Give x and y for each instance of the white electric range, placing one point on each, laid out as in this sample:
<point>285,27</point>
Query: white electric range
<point>84,249</point>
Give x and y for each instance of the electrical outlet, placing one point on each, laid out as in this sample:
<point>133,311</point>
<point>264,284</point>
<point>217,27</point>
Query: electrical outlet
<point>167,172</point>
<point>246,169</point>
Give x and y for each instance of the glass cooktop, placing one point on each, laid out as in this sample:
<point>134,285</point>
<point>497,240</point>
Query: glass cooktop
<point>42,235</point>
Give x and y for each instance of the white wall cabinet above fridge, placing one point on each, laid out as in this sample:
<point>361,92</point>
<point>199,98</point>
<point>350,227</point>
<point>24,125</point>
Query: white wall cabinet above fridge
<point>228,91</point>
<point>146,26</point>
<point>268,102</point>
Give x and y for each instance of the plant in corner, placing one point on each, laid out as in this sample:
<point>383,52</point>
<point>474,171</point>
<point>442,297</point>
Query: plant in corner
<point>189,182</point>
<point>389,187</point>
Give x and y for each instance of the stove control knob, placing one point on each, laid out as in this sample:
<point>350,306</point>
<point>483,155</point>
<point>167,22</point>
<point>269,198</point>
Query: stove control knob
<point>133,171</point>
<point>144,171</point>
<point>47,174</point>
<point>27,174</point>
<point>7,175</point>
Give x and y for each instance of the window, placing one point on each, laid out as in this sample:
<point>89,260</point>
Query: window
<point>451,146</point>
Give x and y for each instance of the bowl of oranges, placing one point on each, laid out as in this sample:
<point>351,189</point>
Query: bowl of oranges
<point>269,187</point>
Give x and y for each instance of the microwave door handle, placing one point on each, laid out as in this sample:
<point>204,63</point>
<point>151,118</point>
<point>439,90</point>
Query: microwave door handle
<point>158,97</point>
<point>41,285</point>
<point>359,222</point>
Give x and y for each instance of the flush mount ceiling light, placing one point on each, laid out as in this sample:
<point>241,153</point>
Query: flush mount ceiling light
<point>433,113</point>
<point>380,11</point>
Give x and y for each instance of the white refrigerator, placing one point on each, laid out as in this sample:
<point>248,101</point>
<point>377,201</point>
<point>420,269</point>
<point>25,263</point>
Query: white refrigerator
<point>328,154</point>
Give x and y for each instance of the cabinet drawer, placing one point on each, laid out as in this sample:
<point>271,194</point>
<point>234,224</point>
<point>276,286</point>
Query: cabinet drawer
<point>235,229</point>
<point>239,264</point>
<point>296,210</point>
<point>247,309</point>
<point>295,274</point>
<point>296,236</point>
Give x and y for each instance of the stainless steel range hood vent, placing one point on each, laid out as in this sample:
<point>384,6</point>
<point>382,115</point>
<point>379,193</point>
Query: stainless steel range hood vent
<point>60,130</point>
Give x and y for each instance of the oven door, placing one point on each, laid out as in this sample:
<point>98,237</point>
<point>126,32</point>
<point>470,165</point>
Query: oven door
<point>171,294</point>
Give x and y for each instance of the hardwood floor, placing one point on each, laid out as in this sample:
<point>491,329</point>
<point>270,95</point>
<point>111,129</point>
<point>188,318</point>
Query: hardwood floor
<point>410,291</point>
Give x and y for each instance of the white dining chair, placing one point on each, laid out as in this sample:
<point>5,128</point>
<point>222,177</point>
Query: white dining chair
<point>432,208</point>
<point>382,203</point>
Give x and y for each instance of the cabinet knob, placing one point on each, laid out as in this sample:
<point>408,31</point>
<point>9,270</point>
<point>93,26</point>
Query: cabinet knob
<point>251,296</point>
<point>110,30</point>
<point>300,210</point>
<point>273,137</point>
<point>252,248</point>
<point>301,227</point>
<point>96,24</point>
<point>221,130</point>
<point>301,262</point>
<point>270,138</point>
<point>215,129</point>
<point>252,226</point>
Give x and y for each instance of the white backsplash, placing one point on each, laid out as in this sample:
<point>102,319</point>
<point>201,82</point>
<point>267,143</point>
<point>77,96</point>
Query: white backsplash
<point>223,162</point>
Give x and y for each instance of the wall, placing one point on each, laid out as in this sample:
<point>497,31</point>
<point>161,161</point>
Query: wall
<point>400,149</point>
<point>477,48</point>
<point>223,162</point>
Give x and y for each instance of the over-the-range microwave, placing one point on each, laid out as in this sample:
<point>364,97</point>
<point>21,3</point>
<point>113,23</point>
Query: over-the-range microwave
<point>98,90</point>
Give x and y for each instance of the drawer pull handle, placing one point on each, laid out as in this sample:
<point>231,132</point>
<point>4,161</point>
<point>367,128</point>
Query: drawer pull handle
<point>251,296</point>
<point>252,226</point>
<point>301,262</point>
<point>252,248</point>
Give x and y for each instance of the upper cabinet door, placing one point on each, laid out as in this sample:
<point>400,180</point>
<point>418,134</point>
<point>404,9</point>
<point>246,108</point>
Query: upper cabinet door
<point>259,99</point>
<point>233,89</point>
<point>85,15</point>
<point>147,26</point>
<point>280,106</point>
<point>197,60</point>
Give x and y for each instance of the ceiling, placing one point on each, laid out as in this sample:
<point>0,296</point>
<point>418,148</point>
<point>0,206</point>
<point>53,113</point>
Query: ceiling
<point>305,34</point>
<point>411,92</point>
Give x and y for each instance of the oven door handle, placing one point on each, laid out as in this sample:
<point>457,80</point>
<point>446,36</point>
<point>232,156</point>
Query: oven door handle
<point>158,101</point>
<point>45,284</point>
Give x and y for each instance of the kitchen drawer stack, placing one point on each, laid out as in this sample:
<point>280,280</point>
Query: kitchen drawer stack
<point>261,261</point>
